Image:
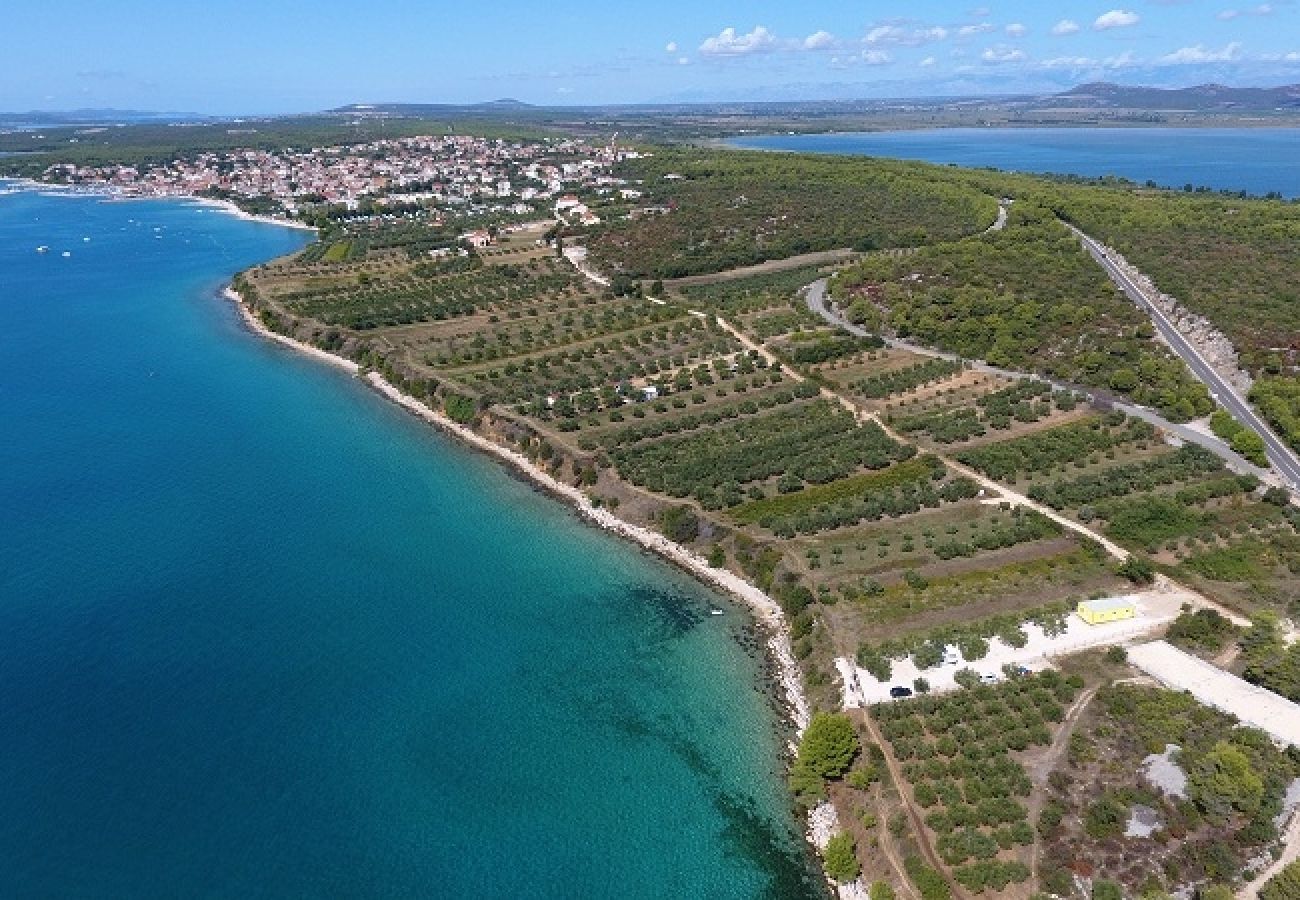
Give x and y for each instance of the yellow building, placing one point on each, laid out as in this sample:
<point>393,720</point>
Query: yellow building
<point>1107,609</point>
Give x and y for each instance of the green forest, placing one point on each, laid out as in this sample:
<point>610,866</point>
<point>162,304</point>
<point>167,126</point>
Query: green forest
<point>1026,298</point>
<point>718,211</point>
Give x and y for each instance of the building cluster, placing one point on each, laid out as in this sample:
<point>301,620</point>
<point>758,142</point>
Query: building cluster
<point>444,172</point>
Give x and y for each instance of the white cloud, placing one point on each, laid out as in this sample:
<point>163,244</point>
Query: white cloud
<point>927,62</point>
<point>671,47</point>
<point>683,61</point>
<point>728,43</point>
<point>905,37</point>
<point>1065,26</point>
<point>875,57</point>
<point>1069,62</point>
<point>1015,29</point>
<point>819,40</point>
<point>1227,15</point>
<point>1122,61</point>
<point>1198,54</point>
<point>1116,18</point>
<point>1003,55</point>
<point>970,30</point>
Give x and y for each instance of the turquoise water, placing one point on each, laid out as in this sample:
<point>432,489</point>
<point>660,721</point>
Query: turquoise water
<point>263,634</point>
<point>1256,160</point>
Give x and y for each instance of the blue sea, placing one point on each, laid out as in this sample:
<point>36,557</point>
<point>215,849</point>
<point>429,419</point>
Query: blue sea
<point>1255,160</point>
<point>262,634</point>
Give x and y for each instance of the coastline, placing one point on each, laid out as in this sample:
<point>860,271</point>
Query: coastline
<point>764,608</point>
<point>234,210</point>
<point>117,196</point>
<point>821,821</point>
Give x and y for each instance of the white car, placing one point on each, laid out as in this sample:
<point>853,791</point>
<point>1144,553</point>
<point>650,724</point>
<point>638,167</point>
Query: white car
<point>989,678</point>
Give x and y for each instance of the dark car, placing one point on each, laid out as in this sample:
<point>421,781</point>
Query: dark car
<point>900,691</point>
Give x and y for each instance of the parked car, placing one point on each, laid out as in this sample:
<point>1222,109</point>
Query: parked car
<point>951,657</point>
<point>988,678</point>
<point>899,691</point>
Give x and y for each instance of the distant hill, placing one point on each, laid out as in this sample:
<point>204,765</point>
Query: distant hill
<point>1201,97</point>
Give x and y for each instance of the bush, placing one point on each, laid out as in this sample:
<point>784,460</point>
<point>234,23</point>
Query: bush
<point>1105,817</point>
<point>679,524</point>
<point>460,409</point>
<point>881,890</point>
<point>841,858</point>
<point>929,882</point>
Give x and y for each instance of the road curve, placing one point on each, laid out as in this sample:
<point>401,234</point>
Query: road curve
<point>1279,454</point>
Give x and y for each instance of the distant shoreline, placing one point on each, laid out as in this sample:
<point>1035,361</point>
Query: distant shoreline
<point>108,192</point>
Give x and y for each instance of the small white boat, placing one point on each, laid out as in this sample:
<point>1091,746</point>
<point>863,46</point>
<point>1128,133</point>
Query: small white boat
<point>715,611</point>
<point>42,249</point>
<point>67,252</point>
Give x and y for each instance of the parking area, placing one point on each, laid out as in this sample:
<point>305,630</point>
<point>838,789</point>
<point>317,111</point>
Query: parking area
<point>1154,610</point>
<point>1212,686</point>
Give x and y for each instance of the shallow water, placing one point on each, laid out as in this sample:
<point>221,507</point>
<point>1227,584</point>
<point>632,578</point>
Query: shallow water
<point>264,634</point>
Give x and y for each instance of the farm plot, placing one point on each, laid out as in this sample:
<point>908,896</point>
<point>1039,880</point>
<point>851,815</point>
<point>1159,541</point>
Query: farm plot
<point>547,378</point>
<point>807,442</point>
<point>944,564</point>
<point>959,755</point>
<point>961,417</point>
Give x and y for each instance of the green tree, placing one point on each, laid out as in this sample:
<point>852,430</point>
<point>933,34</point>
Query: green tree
<point>841,857</point>
<point>1105,817</point>
<point>459,408</point>
<point>829,745</point>
<point>1137,569</point>
<point>1223,781</point>
<point>1285,885</point>
<point>881,890</point>
<point>1106,890</point>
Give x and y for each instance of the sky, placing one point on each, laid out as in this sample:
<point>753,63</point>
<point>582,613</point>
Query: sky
<point>235,57</point>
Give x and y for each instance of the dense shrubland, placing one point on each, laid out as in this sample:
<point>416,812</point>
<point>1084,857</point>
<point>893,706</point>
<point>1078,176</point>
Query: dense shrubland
<point>1027,298</point>
<point>739,208</point>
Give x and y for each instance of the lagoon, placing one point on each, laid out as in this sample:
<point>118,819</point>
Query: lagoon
<point>1255,160</point>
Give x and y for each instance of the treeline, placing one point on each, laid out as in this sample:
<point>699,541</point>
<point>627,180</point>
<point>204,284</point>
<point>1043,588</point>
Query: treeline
<point>1188,461</point>
<point>816,442</point>
<point>1045,450</point>
<point>900,381</point>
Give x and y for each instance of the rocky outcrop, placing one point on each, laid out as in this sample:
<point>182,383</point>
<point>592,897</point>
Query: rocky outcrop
<point>1200,332</point>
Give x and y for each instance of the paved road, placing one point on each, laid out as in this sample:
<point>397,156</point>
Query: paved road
<point>1283,460</point>
<point>815,297</point>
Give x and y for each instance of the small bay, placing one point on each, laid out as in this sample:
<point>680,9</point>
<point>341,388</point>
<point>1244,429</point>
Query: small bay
<point>264,634</point>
